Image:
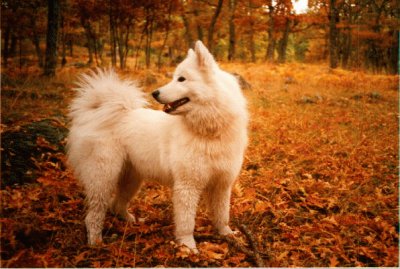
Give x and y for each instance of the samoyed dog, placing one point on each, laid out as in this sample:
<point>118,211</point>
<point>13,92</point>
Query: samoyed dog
<point>195,145</point>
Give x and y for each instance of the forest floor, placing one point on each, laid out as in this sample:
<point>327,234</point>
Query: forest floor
<point>318,188</point>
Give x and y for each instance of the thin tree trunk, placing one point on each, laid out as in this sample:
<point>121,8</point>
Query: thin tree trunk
<point>71,48</point>
<point>20,51</point>
<point>90,42</point>
<point>12,51</point>
<point>139,47</point>
<point>394,53</point>
<point>198,26</point>
<point>148,45</point>
<point>94,44</point>
<point>232,32</point>
<point>347,36</point>
<point>149,35</point>
<point>112,35</point>
<point>166,35</point>
<point>36,42</point>
<point>347,48</point>
<point>64,54</point>
<point>6,44</point>
<point>269,56</point>
<point>282,46</point>
<point>212,25</point>
<point>375,51</point>
<point>51,39</point>
<point>123,45</point>
<point>100,49</point>
<point>63,45</point>
<point>188,33</point>
<point>126,46</point>
<point>251,34</point>
<point>333,33</point>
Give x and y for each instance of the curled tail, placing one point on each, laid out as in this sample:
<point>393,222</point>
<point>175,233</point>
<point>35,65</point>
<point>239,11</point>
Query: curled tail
<point>102,97</point>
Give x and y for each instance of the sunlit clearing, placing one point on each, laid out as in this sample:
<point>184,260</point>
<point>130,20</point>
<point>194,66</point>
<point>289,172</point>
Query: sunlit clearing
<point>300,6</point>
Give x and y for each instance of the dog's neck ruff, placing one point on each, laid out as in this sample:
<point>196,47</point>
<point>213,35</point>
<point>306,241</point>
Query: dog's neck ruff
<point>212,123</point>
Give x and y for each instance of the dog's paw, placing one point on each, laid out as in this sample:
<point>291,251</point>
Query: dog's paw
<point>95,241</point>
<point>226,230</point>
<point>188,241</point>
<point>129,217</point>
<point>124,215</point>
<point>234,233</point>
<point>183,251</point>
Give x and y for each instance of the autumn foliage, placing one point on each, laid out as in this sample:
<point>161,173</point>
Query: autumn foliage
<point>352,34</point>
<point>319,185</point>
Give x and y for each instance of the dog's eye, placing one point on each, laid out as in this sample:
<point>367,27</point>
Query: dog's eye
<point>181,79</point>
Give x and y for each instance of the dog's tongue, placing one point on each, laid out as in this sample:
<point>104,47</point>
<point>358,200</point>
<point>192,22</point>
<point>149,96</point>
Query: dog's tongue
<point>168,107</point>
<point>174,105</point>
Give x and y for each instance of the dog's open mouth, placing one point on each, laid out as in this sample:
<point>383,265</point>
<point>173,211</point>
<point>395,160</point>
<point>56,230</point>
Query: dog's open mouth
<point>168,108</point>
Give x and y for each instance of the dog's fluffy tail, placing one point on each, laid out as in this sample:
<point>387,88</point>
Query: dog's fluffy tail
<point>102,97</point>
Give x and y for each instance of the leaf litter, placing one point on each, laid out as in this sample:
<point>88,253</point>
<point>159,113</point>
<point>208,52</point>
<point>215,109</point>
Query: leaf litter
<point>319,187</point>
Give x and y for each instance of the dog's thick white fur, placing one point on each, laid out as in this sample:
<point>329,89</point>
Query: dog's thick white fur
<point>196,148</point>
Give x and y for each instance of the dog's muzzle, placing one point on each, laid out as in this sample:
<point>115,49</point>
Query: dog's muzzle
<point>172,106</point>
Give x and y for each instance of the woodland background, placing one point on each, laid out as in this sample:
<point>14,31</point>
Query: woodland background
<point>350,33</point>
<point>319,184</point>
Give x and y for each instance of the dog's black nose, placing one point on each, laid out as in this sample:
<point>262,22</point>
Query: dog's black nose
<point>155,94</point>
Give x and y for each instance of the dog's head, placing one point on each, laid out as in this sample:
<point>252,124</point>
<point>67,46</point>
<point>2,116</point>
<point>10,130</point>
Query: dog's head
<point>192,82</point>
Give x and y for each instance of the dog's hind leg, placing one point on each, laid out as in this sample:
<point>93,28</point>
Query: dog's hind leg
<point>128,185</point>
<point>100,174</point>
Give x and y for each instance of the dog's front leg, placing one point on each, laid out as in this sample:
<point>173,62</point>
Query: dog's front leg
<point>218,198</point>
<point>185,200</point>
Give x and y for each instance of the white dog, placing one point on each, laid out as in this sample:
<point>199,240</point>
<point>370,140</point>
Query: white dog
<point>195,146</point>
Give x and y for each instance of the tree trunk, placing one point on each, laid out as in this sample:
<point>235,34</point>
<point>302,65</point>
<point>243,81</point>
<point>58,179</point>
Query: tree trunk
<point>5,48</point>
<point>394,53</point>
<point>12,51</point>
<point>282,46</point>
<point>90,42</point>
<point>166,35</point>
<point>251,35</point>
<point>113,42</point>
<point>126,48</point>
<point>333,33</point>
<point>71,48</point>
<point>20,51</point>
<point>121,54</point>
<point>149,35</point>
<point>36,43</point>
<point>138,47</point>
<point>188,33</point>
<point>346,48</point>
<point>198,26</point>
<point>232,32</point>
<point>269,56</point>
<point>212,25</point>
<point>63,45</point>
<point>123,44</point>
<point>51,39</point>
<point>376,53</point>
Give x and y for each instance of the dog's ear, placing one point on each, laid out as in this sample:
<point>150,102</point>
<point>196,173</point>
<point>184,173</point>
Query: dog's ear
<point>190,53</point>
<point>204,58</point>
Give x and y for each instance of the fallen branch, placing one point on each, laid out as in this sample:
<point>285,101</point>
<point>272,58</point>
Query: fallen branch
<point>233,242</point>
<point>253,244</point>
<point>230,240</point>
